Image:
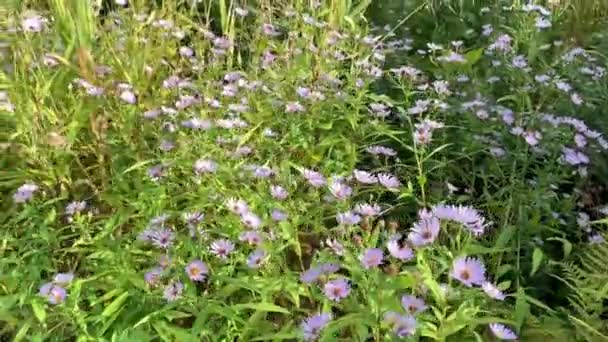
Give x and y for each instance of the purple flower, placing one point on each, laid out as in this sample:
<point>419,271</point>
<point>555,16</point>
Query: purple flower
<point>222,248</point>
<point>33,23</point>
<point>186,51</point>
<point>278,192</point>
<point>469,271</point>
<point>348,218</point>
<point>413,305</point>
<point>254,260</point>
<point>312,326</point>
<point>237,206</point>
<point>340,190</point>
<point>382,150</point>
<point>153,276</point>
<point>251,237</point>
<point>365,177</point>
<point>314,178</point>
<point>173,291</point>
<point>197,270</point>
<point>128,96</point>
<point>467,216</point>
<point>310,275</point>
<point>399,250</point>
<point>368,210</point>
<point>372,257</point>
<point>294,107</point>
<point>424,231</point>
<point>335,246</point>
<point>389,181</point>
<point>278,215</point>
<point>156,172</point>
<point>402,325</point>
<point>251,220</point>
<point>162,238</point>
<point>55,294</point>
<point>492,291</point>
<point>63,278</point>
<point>25,193</point>
<point>193,218</point>
<point>270,30</point>
<point>574,157</point>
<point>337,289</point>
<point>75,207</point>
<point>502,332</point>
<point>164,261</point>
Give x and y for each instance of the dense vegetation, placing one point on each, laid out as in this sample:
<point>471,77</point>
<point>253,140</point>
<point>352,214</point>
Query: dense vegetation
<point>300,170</point>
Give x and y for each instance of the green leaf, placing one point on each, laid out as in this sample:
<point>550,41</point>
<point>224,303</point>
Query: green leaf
<point>522,308</point>
<point>473,56</point>
<point>115,306</point>
<point>39,311</point>
<point>267,307</point>
<point>22,332</point>
<point>566,245</point>
<point>537,258</point>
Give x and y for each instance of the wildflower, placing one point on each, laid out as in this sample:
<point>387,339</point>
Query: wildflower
<point>368,210</point>
<point>312,326</point>
<point>128,96</point>
<point>314,178</point>
<point>467,216</point>
<point>251,237</point>
<point>294,107</point>
<point>270,30</point>
<point>348,218</point>
<point>310,275</point>
<point>162,238</point>
<point>340,190</point>
<point>372,257</point>
<point>278,215</point>
<point>204,166</point>
<point>413,305</point>
<point>241,12</point>
<point>487,30</point>
<point>502,332</point>
<point>365,177</point>
<point>576,99</point>
<point>222,248</point>
<point>492,291</point>
<point>25,193</point>
<point>469,271</point>
<point>596,238</point>
<point>574,157</point>
<point>532,137</point>
<point>33,23</point>
<point>542,23</point>
<point>399,250</point>
<point>278,192</point>
<point>197,270</point>
<point>452,57</point>
<point>251,220</point>
<point>237,206</point>
<point>254,260</point>
<point>335,246</point>
<point>337,289</point>
<point>519,61</point>
<point>186,51</point>
<point>164,261</point>
<point>55,294</point>
<point>75,207</point>
<point>173,291</point>
<point>402,325</point>
<point>153,276</point>
<point>424,231</point>
<point>389,181</point>
<point>381,150</point>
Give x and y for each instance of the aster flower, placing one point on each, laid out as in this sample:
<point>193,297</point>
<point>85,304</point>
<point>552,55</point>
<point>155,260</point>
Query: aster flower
<point>467,216</point>
<point>413,305</point>
<point>469,271</point>
<point>33,23</point>
<point>294,107</point>
<point>251,220</point>
<point>372,257</point>
<point>389,181</point>
<point>164,261</point>
<point>340,190</point>
<point>63,278</point>
<point>335,246</point>
<point>492,291</point>
<point>193,218</point>
<point>502,332</point>
<point>278,215</point>
<point>399,250</point>
<point>255,259</point>
<point>222,248</point>
<point>337,289</point>
<point>348,218</point>
<point>162,237</point>
<point>173,291</point>
<point>75,207</point>
<point>310,275</point>
<point>25,193</point>
<point>402,325</point>
<point>237,206</point>
<point>314,178</point>
<point>312,326</point>
<point>152,277</point>
<point>270,30</point>
<point>365,177</point>
<point>128,96</point>
<point>424,231</point>
<point>278,192</point>
<point>381,150</point>
<point>367,210</point>
<point>251,237</point>
<point>55,294</point>
<point>197,270</point>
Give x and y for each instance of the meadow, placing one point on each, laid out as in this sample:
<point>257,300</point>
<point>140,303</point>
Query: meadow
<point>304,170</point>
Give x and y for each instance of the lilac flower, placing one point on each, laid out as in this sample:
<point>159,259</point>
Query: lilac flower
<point>502,44</point>
<point>413,305</point>
<point>312,326</point>
<point>348,218</point>
<point>33,23</point>
<point>197,270</point>
<point>251,237</point>
<point>254,260</point>
<point>502,332</point>
<point>186,51</point>
<point>237,206</point>
<point>340,190</point>
<point>402,326</point>
<point>372,257</point>
<point>469,217</point>
<point>25,193</point>
<point>173,291</point>
<point>399,250</point>
<point>310,275</point>
<point>367,210</point>
<point>424,231</point>
<point>389,181</point>
<point>55,294</point>
<point>63,278</point>
<point>162,238</point>
<point>469,271</point>
<point>251,220</point>
<point>532,137</point>
<point>365,177</point>
<point>152,277</point>
<point>337,289</point>
<point>519,61</point>
<point>270,30</point>
<point>487,30</point>
<point>222,248</point>
<point>492,291</point>
<point>314,178</point>
<point>278,192</point>
<point>278,215</point>
<point>75,207</point>
<point>128,96</point>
